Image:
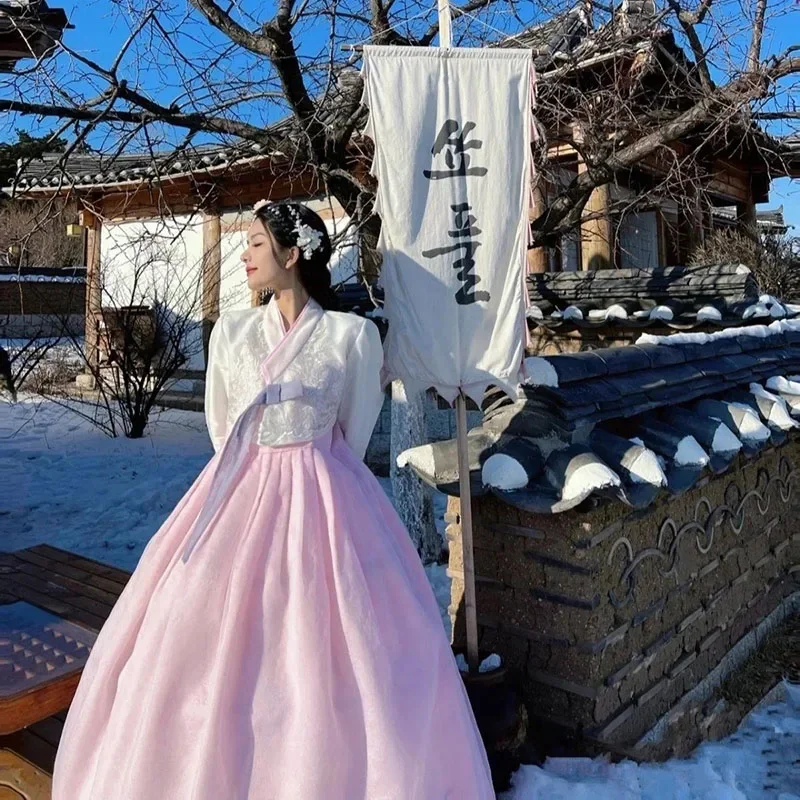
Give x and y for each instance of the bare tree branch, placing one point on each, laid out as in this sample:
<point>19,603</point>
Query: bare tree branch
<point>754,56</point>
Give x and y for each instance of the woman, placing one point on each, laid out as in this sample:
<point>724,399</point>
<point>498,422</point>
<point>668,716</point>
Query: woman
<point>278,639</point>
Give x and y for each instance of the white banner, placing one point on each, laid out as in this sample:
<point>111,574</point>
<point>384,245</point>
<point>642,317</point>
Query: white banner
<point>452,133</point>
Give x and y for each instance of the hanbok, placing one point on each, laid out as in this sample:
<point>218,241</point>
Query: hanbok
<point>278,639</point>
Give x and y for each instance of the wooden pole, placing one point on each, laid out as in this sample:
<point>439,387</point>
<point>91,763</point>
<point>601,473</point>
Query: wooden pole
<point>445,34</point>
<point>94,290</point>
<point>466,534</point>
<point>445,40</point>
<point>211,274</point>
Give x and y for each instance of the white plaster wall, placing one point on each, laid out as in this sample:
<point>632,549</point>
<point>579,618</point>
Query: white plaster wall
<point>157,261</point>
<point>344,259</point>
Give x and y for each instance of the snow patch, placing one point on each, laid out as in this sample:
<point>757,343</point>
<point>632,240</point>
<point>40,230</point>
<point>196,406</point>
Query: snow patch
<point>725,440</point>
<point>616,312</point>
<point>751,428</point>
<point>662,312</point>
<point>735,768</point>
<point>709,314</point>
<point>760,331</point>
<point>690,454</point>
<point>540,372</point>
<point>646,469</point>
<point>756,310</point>
<point>420,457</point>
<point>779,412</point>
<point>790,385</point>
<point>503,472</point>
<point>587,479</point>
<point>534,312</point>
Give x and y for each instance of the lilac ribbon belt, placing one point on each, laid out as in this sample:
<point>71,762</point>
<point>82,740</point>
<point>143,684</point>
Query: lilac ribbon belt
<point>233,454</point>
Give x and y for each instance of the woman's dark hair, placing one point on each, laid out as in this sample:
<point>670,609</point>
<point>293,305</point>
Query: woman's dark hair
<point>281,219</point>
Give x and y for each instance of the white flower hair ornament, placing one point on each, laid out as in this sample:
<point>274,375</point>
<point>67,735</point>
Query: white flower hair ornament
<point>308,238</point>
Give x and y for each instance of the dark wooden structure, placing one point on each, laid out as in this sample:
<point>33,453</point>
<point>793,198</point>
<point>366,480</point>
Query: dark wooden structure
<point>29,29</point>
<point>73,596</point>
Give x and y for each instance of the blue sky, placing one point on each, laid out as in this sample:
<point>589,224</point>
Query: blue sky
<point>101,28</point>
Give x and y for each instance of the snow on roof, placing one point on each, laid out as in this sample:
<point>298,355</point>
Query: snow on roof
<point>656,416</point>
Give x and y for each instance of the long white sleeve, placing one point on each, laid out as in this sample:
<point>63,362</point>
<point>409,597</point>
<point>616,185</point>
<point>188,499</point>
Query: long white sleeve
<point>363,397</point>
<point>216,402</point>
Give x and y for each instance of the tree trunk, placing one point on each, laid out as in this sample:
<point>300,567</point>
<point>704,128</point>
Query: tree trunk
<point>412,498</point>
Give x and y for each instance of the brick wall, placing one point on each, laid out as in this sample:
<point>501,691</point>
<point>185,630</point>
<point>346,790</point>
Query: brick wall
<point>612,616</point>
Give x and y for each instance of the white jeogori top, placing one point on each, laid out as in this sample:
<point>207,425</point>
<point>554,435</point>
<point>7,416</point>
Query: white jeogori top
<point>331,362</point>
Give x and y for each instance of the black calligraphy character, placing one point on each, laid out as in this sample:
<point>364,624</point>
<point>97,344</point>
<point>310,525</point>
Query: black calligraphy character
<point>465,225</point>
<point>454,146</point>
<point>465,228</point>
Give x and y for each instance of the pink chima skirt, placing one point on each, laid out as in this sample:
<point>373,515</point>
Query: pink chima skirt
<point>297,655</point>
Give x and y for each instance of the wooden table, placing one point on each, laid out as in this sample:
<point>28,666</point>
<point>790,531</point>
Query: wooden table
<point>52,605</point>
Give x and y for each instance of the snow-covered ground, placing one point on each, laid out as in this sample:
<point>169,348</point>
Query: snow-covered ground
<point>64,483</point>
<point>761,761</point>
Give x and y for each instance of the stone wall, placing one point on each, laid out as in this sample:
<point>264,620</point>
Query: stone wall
<point>612,616</point>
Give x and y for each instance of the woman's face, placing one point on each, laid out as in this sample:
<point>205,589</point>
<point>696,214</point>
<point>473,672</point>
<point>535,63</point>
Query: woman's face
<point>268,266</point>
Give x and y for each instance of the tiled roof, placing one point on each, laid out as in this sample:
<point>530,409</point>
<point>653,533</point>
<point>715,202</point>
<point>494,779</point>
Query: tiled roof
<point>677,297</point>
<point>630,422</point>
<point>560,36</point>
<point>771,217</point>
<point>82,171</point>
<point>768,219</point>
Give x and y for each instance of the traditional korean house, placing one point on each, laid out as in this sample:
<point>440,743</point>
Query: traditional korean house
<point>171,228</point>
<point>627,223</point>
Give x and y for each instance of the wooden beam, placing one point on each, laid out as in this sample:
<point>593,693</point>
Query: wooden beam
<point>94,285</point>
<point>537,257</point>
<point>596,234</point>
<point>691,231</point>
<point>746,212</point>
<point>211,274</point>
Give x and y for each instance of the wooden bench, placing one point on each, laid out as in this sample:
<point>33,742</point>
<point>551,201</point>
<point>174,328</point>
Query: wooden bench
<point>51,600</point>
